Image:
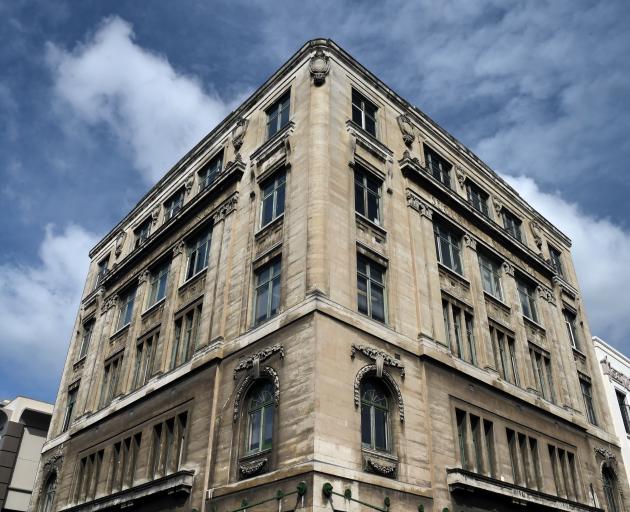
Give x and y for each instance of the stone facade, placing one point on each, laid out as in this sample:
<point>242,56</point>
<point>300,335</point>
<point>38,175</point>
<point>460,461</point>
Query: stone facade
<point>468,423</point>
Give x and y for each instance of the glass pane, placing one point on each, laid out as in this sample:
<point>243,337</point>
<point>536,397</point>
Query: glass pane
<point>378,303</point>
<point>376,273</point>
<point>280,200</point>
<point>362,295</point>
<point>362,265</point>
<point>366,430</point>
<point>359,205</point>
<point>254,431</point>
<point>446,253</point>
<point>262,294</point>
<point>380,429</point>
<point>267,210</point>
<point>372,207</point>
<point>202,257</point>
<point>284,119</point>
<point>267,427</point>
<point>357,115</point>
<point>370,126</point>
<point>275,296</point>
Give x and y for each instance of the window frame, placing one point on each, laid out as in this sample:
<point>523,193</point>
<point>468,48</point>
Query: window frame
<point>441,170</point>
<point>186,334</point>
<point>144,363</point>
<point>444,234</point>
<point>624,408</point>
<point>71,401</point>
<point>387,415</point>
<point>202,238</point>
<point>371,265</point>
<point>504,349</point>
<point>158,279</point>
<point>512,224</point>
<point>87,331</point>
<point>363,194</point>
<point>528,299</point>
<point>489,267</point>
<point>589,404</point>
<point>479,203</point>
<point>259,385</point>
<point>101,271</point>
<point>273,188</point>
<point>174,204</point>
<point>271,283</point>
<point>281,106</point>
<point>142,232</point>
<point>112,369</point>
<point>209,171</point>
<point>126,308</point>
<point>361,106</point>
<point>570,322</point>
<point>555,258</point>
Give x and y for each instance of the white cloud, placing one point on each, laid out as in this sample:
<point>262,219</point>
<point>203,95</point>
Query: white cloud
<point>157,113</point>
<point>38,303</point>
<point>601,252</point>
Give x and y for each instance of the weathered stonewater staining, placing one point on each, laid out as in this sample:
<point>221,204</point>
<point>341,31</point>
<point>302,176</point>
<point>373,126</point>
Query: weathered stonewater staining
<point>330,303</point>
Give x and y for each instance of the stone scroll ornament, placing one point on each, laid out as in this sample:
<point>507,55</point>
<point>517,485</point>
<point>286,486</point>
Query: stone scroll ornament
<point>319,66</point>
<point>238,133</point>
<point>406,129</point>
<point>253,362</point>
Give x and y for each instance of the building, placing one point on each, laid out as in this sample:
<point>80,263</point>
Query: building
<point>23,427</point>
<point>615,370</point>
<point>330,299</point>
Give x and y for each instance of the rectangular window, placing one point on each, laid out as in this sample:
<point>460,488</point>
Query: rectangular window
<point>267,295</point>
<point>512,446</point>
<point>88,477</point>
<point>142,232</point>
<point>490,275</point>
<point>589,406</point>
<point>132,445</point>
<point>504,355</point>
<point>370,288</point>
<point>173,204</point>
<point>477,197</point>
<point>462,434</point>
<point>157,283</point>
<point>145,355</point>
<point>210,171</point>
<point>101,271</point>
<point>272,198</point>
<point>198,250</point>
<point>71,402</point>
<point>512,224</point>
<point>556,260</point>
<point>488,430</point>
<point>570,321</point>
<point>186,336</point>
<point>447,247</point>
<point>439,167</point>
<point>541,367</point>
<point>459,327</point>
<point>111,377</point>
<point>524,454</point>
<point>623,408</point>
<point>168,446</point>
<point>527,296</point>
<point>364,113</point>
<point>88,329</point>
<point>475,426</point>
<point>278,115</point>
<point>367,195</point>
<point>125,313</point>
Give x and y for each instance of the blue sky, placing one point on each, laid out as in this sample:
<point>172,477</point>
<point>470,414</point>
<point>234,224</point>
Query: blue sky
<point>99,99</point>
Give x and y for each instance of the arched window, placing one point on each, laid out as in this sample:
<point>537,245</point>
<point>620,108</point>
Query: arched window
<point>260,409</point>
<point>48,496</point>
<point>610,490</point>
<point>375,427</point>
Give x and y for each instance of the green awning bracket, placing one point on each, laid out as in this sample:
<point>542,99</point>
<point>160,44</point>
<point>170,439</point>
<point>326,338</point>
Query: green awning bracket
<point>300,490</point>
<point>328,491</point>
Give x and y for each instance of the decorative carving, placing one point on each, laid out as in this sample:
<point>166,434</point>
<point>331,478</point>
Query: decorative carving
<point>461,175</point>
<point>508,268</point>
<point>406,129</point>
<point>110,303</point>
<point>606,454</point>
<point>378,355</point>
<point>387,378</point>
<point>189,183</point>
<point>376,466</point>
<point>536,230</point>
<point>470,241</point>
<point>238,134</point>
<point>144,276</point>
<point>252,467</point>
<point>547,294</point>
<point>53,464</point>
<point>614,374</point>
<point>225,209</point>
<point>261,356</point>
<point>155,215</point>
<point>120,241</point>
<point>178,248</point>
<point>267,372</point>
<point>498,205</point>
<point>413,159</point>
<point>319,66</point>
<point>419,205</point>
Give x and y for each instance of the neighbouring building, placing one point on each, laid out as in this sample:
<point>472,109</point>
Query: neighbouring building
<point>23,427</point>
<point>331,302</point>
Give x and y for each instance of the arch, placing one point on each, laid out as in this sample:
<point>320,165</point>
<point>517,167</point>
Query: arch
<point>47,496</point>
<point>611,487</point>
<point>389,382</point>
<point>265,372</point>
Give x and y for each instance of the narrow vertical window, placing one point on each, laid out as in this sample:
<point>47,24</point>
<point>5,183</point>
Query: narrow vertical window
<point>439,167</point>
<point>490,276</point>
<point>367,195</point>
<point>623,408</point>
<point>588,401</point>
<point>210,171</point>
<point>186,337</point>
<point>364,113</point>
<point>198,250</point>
<point>142,232</point>
<point>88,328</point>
<point>272,198</point>
<point>555,258</point>
<point>527,296</point>
<point>512,224</point>
<point>156,451</point>
<point>523,449</point>
<point>173,204</point>
<point>610,490</point>
<point>375,427</point>
<point>447,247</point>
<point>475,426</point>
<point>570,321</point>
<point>48,496</point>
<point>488,430</point>
<point>511,437</point>
<point>462,435</point>
<point>145,354</point>
<point>470,339</point>
<point>157,283</point>
<point>535,463</point>
<point>278,115</point>
<point>260,412</point>
<point>477,197</point>
<point>370,288</point>
<point>267,299</point>
<point>125,313</point>
<point>101,272</point>
<point>70,405</point>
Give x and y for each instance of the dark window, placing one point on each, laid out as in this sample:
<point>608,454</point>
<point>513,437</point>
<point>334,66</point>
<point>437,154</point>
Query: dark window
<point>48,496</point>
<point>126,308</point>
<point>477,197</point>
<point>145,355</point>
<point>570,321</point>
<point>462,437</point>
<point>168,446</point>
<point>459,327</point>
<point>370,288</point>
<point>111,377</point>
<point>364,113</point>
<point>475,427</point>
<point>512,224</point>
<point>367,195</point>
<point>260,411</point>
<point>273,193</point>
<point>589,406</point>
<point>512,446</point>
<point>490,276</point>
<point>439,168</point>
<point>198,253</point>
<point>556,260</point>
<point>375,428</point>
<point>610,490</point>
<point>88,329</point>
<point>267,300</point>
<point>504,355</point>
<point>541,366</point>
<point>173,204</point>
<point>101,272</point>
<point>447,246</point>
<point>625,412</point>
<point>70,405</point>
<point>488,429</point>
<point>278,115</point>
<point>157,283</point>
<point>186,335</point>
<point>527,296</point>
<point>210,171</point>
<point>142,233</point>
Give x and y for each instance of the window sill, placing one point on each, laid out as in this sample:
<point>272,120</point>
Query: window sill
<point>153,307</point>
<point>269,145</point>
<point>454,273</point>
<point>193,278</point>
<point>578,353</point>
<point>496,301</point>
<point>369,141</point>
<point>79,363</point>
<point>119,332</point>
<point>270,226</point>
<point>533,323</point>
<point>380,230</point>
<point>380,463</point>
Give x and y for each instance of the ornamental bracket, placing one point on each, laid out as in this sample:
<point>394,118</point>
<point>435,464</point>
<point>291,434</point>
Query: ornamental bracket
<point>379,357</point>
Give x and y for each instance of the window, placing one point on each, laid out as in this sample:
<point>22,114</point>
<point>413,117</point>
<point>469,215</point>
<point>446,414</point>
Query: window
<point>367,195</point>
<point>478,433</point>
<point>541,367</point>
<point>462,436</point>
<point>490,276</point>
<point>88,329</point>
<point>589,406</point>
<point>142,232</point>
<point>375,428</point>
<point>126,308</point>
<point>48,494</point>
<point>475,427</point>
<point>272,198</point>
<point>512,224</point>
<point>370,288</point>
<point>145,355</point>
<point>624,409</point>
<point>209,171</point>
<point>88,476</point>
<point>512,442</point>
<point>173,204</point>
<point>168,446</point>
<point>488,431</point>
<point>260,411</point>
<point>610,490</point>
<point>447,246</point>
<point>101,271</point>
<point>477,197</point>
<point>157,283</point>
<point>124,459</point>
<point>504,355</point>
<point>73,390</point>
<point>571,324</point>
<point>459,326</point>
<point>527,296</point>
<point>267,300</point>
<point>186,335</point>
<point>278,115</point>
<point>198,253</point>
<point>364,113</point>
<point>439,168</point>
<point>564,472</point>
<point>556,260</point>
<point>111,377</point>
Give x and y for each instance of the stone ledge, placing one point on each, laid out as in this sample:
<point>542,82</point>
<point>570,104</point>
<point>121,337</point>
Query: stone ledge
<point>461,479</point>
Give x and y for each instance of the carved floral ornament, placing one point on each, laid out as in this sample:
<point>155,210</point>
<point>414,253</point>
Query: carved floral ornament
<point>225,209</point>
<point>252,467</point>
<point>245,384</point>
<point>53,464</point>
<point>319,66</point>
<point>413,201</point>
<point>534,227</point>
<point>253,362</point>
<point>609,458</point>
<point>238,133</point>
<point>547,294</point>
<point>379,467</point>
<point>379,357</point>
<point>461,174</point>
<point>406,129</point>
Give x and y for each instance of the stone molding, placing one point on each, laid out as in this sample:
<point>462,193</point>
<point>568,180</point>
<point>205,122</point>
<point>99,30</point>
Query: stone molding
<point>178,248</point>
<point>536,231</point>
<point>546,294</point>
<point>470,241</point>
<point>253,467</point>
<point>319,66</point>
<point>253,362</point>
<point>460,174</point>
<point>614,374</point>
<point>414,202</point>
<point>380,358</point>
<point>225,208</point>
<point>144,276</point>
<point>120,241</point>
<point>508,268</point>
<point>366,370</point>
<point>368,142</point>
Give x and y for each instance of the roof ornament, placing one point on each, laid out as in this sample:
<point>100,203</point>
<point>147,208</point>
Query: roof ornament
<point>319,67</point>
<point>406,129</point>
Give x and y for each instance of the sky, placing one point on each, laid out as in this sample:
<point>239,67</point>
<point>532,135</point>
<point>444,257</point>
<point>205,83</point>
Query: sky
<point>99,99</point>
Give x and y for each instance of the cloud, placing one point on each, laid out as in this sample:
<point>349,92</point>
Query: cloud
<point>38,304</point>
<point>600,253</point>
<point>155,112</point>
